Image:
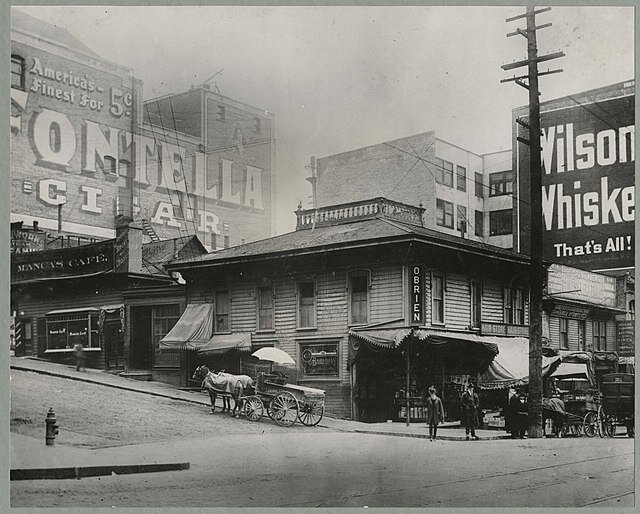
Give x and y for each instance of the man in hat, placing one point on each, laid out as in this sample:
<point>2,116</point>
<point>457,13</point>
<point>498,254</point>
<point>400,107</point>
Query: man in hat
<point>469,404</point>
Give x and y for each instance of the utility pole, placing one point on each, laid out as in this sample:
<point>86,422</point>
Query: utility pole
<point>536,275</point>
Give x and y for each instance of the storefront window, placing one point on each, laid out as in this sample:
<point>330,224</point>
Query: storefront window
<point>65,331</point>
<point>319,359</point>
<point>164,318</point>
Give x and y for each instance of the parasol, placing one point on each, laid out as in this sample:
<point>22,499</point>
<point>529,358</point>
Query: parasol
<point>273,355</point>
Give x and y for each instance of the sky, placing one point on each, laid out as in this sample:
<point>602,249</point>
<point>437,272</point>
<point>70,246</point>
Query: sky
<point>340,78</point>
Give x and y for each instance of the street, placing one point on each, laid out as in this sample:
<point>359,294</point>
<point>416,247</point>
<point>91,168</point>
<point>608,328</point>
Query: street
<point>236,463</point>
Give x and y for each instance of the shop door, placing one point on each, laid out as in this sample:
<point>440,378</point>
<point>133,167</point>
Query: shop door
<point>141,343</point>
<point>113,344</point>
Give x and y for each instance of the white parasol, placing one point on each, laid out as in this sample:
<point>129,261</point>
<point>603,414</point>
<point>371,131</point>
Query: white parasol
<point>272,354</point>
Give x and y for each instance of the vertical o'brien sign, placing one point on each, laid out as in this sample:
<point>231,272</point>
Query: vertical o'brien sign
<point>416,288</point>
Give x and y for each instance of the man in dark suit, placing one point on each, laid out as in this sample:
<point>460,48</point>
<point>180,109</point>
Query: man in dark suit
<point>469,403</point>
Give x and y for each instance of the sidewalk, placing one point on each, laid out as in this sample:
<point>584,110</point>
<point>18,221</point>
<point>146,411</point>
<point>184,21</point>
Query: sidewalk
<point>31,459</point>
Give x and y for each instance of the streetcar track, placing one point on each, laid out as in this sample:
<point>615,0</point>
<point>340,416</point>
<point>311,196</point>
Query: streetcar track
<point>459,481</point>
<point>607,498</point>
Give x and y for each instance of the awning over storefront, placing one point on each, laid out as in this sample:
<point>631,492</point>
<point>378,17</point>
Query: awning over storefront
<point>374,339</point>
<point>571,370</point>
<point>438,338</point>
<point>220,343</point>
<point>511,366</point>
<point>192,330</point>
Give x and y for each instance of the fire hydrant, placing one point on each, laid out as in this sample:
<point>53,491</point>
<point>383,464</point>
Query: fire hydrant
<point>51,426</point>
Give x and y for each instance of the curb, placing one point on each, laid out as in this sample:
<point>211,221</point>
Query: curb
<point>426,436</point>
<point>115,386</point>
<point>93,471</point>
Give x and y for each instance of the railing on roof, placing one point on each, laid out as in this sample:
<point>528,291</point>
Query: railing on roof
<point>364,209</point>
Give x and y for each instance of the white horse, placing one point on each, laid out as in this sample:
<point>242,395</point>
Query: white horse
<point>227,386</point>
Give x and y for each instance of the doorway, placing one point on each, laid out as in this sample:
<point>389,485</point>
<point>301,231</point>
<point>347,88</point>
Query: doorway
<point>113,344</point>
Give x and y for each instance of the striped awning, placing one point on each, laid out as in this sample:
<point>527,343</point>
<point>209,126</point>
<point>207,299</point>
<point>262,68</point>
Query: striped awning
<point>192,330</point>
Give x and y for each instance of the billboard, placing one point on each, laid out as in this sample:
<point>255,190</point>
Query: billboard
<point>80,153</point>
<point>588,175</point>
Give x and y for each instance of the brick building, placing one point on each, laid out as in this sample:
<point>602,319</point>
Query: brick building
<point>85,148</point>
<point>464,194</point>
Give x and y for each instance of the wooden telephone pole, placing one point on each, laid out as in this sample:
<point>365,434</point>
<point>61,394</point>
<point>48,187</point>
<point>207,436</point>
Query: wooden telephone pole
<point>536,276</point>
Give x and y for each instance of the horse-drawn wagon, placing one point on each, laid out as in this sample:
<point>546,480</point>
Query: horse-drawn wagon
<point>283,402</point>
<point>617,404</point>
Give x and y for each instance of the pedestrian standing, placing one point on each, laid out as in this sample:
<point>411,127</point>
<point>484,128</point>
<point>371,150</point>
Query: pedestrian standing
<point>435,412</point>
<point>78,348</point>
<point>469,404</point>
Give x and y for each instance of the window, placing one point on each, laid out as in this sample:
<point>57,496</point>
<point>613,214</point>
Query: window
<point>564,333</point>
<point>444,172</point>
<point>306,304</point>
<point>265,308</point>
<point>65,331</point>
<point>359,298</point>
<point>582,341</point>
<point>461,212</point>
<point>222,309</point>
<point>257,127</point>
<point>479,185</point>
<point>476,303</point>
<point>479,224</point>
<point>437,299</point>
<point>17,72</point>
<point>55,137</point>
<point>461,178</point>
<point>444,213</point>
<point>164,318</point>
<point>221,113</point>
<point>500,222</point>
<point>632,309</point>
<point>319,359</point>
<point>513,302</point>
<point>500,183</point>
<point>599,335</point>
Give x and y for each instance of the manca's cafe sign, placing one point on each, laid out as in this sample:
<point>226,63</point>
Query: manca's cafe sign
<point>63,262</point>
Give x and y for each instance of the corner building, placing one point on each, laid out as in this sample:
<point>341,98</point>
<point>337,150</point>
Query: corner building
<point>372,305</point>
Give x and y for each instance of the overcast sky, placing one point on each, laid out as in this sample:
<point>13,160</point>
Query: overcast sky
<point>339,78</point>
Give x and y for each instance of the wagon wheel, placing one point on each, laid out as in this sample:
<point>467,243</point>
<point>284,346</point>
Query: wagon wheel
<point>606,424</point>
<point>310,413</point>
<point>590,424</point>
<point>284,409</point>
<point>253,408</point>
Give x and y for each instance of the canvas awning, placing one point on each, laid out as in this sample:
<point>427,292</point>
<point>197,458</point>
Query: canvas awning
<point>439,338</point>
<point>375,339</point>
<point>571,370</point>
<point>511,366</point>
<point>192,330</point>
<point>220,343</point>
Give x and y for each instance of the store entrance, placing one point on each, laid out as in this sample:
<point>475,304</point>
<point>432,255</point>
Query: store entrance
<point>113,344</point>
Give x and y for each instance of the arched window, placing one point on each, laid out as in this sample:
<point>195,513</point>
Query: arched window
<point>17,72</point>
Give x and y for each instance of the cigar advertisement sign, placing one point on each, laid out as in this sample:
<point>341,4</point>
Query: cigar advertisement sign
<point>588,192</point>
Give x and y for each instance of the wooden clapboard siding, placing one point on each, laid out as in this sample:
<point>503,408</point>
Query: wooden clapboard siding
<point>492,307</point>
<point>386,294</point>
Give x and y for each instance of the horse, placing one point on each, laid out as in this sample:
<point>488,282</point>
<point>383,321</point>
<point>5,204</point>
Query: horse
<point>553,409</point>
<point>226,385</point>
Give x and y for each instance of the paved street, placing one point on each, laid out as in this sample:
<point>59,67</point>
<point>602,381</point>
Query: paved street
<point>236,463</point>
